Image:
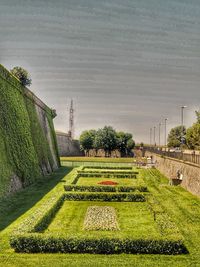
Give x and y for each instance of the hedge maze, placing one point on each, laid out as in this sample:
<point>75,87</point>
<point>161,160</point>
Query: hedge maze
<point>82,218</point>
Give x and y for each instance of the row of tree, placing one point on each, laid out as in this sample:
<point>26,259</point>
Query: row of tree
<point>190,138</point>
<point>108,140</point>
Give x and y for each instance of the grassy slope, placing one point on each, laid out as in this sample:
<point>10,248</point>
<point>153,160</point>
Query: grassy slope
<point>181,205</point>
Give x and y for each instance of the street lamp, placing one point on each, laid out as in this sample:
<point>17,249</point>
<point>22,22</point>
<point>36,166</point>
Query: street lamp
<point>154,135</point>
<point>150,136</point>
<point>159,133</point>
<point>182,127</point>
<point>165,142</point>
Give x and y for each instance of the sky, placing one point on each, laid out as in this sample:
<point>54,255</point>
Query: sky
<point>128,64</point>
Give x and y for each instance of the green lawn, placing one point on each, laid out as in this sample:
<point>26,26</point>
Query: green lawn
<point>95,181</point>
<point>183,207</point>
<point>134,219</point>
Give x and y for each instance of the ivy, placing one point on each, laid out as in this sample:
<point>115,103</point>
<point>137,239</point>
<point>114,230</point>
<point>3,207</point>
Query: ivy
<point>24,148</point>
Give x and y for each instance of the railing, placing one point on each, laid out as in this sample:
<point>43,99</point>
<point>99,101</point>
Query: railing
<point>190,157</point>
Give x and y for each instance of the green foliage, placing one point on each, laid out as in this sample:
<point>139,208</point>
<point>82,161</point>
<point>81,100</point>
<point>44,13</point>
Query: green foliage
<point>87,140</point>
<point>108,140</point>
<point>105,197</point>
<point>24,146</point>
<point>38,137</point>
<point>182,206</point>
<point>108,167</point>
<point>106,175</point>
<point>198,116</point>
<point>125,143</point>
<point>15,128</point>
<point>193,136</point>
<point>175,135</point>
<point>36,243</point>
<point>82,188</point>
<point>22,75</point>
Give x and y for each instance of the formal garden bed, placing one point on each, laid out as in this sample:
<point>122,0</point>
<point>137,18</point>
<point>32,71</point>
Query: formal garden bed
<point>82,220</point>
<point>100,218</point>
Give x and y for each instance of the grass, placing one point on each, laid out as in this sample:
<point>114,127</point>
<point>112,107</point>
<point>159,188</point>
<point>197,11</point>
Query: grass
<point>95,181</point>
<point>70,220</point>
<point>182,206</point>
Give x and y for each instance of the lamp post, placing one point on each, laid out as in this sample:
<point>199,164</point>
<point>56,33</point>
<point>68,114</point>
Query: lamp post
<point>182,127</point>
<point>165,142</point>
<point>150,136</point>
<point>154,135</point>
<point>159,133</point>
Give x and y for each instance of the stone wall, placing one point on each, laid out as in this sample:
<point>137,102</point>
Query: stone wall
<point>66,146</point>
<point>28,147</point>
<point>169,167</point>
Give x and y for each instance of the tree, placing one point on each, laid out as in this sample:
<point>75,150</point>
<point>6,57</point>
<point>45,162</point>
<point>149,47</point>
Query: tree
<point>123,139</point>
<point>22,75</point>
<point>98,140</point>
<point>108,140</point>
<point>175,136</point>
<point>130,146</point>
<point>193,136</point>
<point>87,140</point>
<point>198,116</point>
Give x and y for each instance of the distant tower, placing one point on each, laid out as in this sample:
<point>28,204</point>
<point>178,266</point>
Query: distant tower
<point>71,120</point>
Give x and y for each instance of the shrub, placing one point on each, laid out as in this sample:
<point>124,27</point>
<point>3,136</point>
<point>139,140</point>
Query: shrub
<point>37,243</point>
<point>108,167</point>
<point>40,219</point>
<point>105,197</point>
<point>105,175</point>
<point>83,188</point>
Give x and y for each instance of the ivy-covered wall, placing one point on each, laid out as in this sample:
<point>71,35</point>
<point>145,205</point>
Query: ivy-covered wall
<point>28,148</point>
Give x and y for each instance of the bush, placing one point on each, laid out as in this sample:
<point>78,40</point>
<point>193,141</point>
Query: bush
<point>40,219</point>
<point>105,197</point>
<point>108,167</point>
<point>106,175</point>
<point>127,189</point>
<point>38,243</point>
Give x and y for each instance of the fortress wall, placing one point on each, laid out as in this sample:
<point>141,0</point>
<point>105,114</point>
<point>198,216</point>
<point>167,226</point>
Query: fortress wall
<point>28,146</point>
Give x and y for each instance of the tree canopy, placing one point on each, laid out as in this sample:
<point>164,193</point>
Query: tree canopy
<point>107,139</point>
<point>87,140</point>
<point>175,136</point>
<point>193,134</point>
<point>22,75</point>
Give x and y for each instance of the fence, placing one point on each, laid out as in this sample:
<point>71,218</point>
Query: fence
<point>190,157</point>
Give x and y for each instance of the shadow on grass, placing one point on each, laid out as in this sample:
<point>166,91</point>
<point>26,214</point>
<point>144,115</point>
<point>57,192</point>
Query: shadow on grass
<point>14,206</point>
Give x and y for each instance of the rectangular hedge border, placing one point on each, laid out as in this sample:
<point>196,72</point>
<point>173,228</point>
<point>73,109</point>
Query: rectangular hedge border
<point>110,197</point>
<point>127,189</point>
<point>110,172</point>
<point>24,239</point>
<point>39,243</point>
<point>108,167</point>
<point>106,175</point>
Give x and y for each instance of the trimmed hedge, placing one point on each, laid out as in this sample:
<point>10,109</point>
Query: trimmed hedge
<point>106,175</point>
<point>37,243</point>
<point>110,172</point>
<point>108,167</point>
<point>105,197</point>
<point>127,189</point>
<point>41,218</point>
